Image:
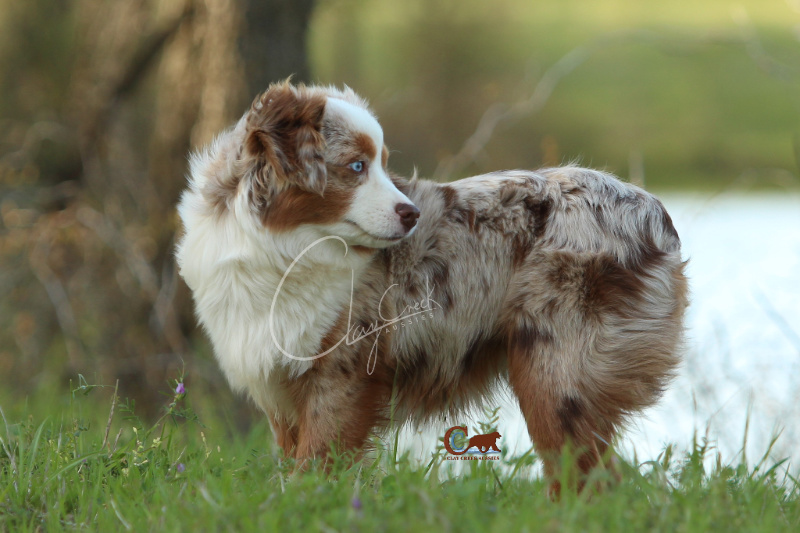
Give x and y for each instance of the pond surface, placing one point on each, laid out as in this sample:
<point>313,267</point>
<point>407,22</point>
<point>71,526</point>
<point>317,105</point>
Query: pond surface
<point>743,347</point>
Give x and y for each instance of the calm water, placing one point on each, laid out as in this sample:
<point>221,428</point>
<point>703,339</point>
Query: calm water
<point>743,350</point>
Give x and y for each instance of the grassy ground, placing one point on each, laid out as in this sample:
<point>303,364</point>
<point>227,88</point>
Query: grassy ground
<point>74,469</point>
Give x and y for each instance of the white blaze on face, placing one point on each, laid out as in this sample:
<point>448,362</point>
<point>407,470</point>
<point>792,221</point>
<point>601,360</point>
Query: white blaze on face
<point>374,206</point>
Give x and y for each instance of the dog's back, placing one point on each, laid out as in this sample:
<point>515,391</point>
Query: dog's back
<point>566,280</point>
<point>565,259</point>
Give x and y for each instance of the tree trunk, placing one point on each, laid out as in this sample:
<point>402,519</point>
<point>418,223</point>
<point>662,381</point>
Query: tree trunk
<point>273,42</point>
<point>95,289</point>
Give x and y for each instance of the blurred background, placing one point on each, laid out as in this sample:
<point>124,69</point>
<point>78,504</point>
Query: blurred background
<point>100,103</point>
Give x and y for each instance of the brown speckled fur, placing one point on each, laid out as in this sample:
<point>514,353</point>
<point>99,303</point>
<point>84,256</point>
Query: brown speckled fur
<point>585,322</point>
<point>565,282</point>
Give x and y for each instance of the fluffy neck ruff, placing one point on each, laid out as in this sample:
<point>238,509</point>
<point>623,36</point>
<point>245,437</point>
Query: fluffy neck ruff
<point>266,300</point>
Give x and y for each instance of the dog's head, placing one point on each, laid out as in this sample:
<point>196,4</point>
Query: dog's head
<point>315,156</point>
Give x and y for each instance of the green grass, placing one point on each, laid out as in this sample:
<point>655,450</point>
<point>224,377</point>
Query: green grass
<point>62,472</point>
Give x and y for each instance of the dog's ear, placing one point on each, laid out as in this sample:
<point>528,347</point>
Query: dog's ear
<point>284,135</point>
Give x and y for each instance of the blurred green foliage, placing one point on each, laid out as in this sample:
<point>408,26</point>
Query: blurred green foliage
<point>690,94</point>
<point>36,57</point>
<point>100,103</point>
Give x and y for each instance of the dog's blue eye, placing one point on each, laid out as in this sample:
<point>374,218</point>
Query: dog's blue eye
<point>357,167</point>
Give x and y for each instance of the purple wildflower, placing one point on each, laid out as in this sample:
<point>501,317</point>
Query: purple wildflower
<point>180,389</point>
<point>180,468</point>
<point>356,503</point>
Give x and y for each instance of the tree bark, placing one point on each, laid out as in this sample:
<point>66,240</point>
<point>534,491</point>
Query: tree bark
<point>273,42</point>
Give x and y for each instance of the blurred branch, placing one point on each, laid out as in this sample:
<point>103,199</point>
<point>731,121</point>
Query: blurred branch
<point>148,50</point>
<point>164,308</point>
<point>60,300</point>
<point>500,114</point>
<point>143,272</point>
<point>758,53</point>
<point>109,234</point>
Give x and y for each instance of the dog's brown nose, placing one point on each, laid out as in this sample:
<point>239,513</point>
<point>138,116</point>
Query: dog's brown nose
<point>408,215</point>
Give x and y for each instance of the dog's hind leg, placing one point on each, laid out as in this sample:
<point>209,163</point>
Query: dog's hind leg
<point>558,413</point>
<point>590,342</point>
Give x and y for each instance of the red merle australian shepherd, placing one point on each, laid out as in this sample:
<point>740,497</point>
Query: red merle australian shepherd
<point>333,290</point>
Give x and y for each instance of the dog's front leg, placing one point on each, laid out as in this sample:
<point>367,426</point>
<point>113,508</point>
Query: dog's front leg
<point>285,434</point>
<point>339,413</point>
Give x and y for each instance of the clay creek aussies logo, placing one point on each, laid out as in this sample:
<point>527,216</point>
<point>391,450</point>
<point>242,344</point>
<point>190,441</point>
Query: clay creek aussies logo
<point>460,446</point>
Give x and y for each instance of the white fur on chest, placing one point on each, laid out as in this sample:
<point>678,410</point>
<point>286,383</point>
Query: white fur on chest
<point>234,277</point>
